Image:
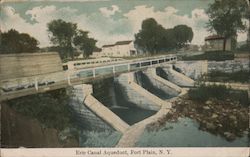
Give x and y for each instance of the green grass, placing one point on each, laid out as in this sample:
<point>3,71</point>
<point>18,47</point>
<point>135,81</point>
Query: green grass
<point>211,56</point>
<point>219,92</point>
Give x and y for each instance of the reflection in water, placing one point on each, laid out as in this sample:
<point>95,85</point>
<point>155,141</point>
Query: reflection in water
<point>186,133</point>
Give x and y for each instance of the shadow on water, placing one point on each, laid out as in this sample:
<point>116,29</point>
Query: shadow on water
<point>110,94</point>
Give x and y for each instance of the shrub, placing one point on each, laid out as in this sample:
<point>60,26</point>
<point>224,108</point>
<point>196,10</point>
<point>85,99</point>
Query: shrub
<point>219,92</point>
<point>239,76</point>
<point>213,55</point>
<point>50,108</point>
<point>203,92</point>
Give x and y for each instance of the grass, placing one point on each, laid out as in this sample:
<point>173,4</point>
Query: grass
<point>219,92</point>
<point>211,56</point>
<point>219,76</point>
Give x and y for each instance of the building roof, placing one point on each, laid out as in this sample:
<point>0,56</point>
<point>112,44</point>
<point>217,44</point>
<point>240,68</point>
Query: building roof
<point>119,43</point>
<point>108,45</point>
<point>123,42</point>
<point>214,37</point>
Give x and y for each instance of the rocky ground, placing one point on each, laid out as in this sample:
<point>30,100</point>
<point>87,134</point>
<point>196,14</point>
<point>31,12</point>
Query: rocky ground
<point>227,118</point>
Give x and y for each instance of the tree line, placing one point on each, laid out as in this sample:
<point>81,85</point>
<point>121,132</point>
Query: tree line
<point>225,18</point>
<point>66,38</point>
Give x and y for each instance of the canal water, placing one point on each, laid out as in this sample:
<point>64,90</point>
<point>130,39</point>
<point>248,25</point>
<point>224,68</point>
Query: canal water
<point>185,133</point>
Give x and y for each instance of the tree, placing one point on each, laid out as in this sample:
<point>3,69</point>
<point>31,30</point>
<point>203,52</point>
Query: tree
<point>183,35</point>
<point>225,17</point>
<point>61,35</point>
<point>66,36</point>
<point>15,42</point>
<point>86,44</point>
<point>154,38</point>
<point>146,37</point>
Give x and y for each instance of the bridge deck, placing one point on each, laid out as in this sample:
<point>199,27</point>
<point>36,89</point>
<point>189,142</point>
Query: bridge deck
<point>39,84</point>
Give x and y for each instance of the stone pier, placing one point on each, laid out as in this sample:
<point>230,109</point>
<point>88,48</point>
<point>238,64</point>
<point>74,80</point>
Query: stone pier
<point>138,95</point>
<point>93,112</point>
<point>178,78</point>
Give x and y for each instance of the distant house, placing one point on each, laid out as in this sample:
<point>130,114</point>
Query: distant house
<point>119,49</point>
<point>217,43</point>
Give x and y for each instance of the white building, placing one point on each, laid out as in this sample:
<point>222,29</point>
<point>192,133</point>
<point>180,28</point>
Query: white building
<point>119,49</point>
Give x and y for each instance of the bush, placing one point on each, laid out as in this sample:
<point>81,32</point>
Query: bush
<point>211,56</point>
<point>51,108</point>
<point>203,92</point>
<point>239,76</point>
<point>219,92</point>
<point>245,47</point>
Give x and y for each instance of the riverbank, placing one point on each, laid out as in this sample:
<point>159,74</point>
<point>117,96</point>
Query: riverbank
<point>226,118</point>
<point>18,130</point>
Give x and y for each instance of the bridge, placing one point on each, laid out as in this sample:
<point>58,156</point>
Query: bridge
<point>39,83</point>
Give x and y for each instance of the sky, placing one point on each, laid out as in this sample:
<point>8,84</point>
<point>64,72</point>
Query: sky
<point>107,21</point>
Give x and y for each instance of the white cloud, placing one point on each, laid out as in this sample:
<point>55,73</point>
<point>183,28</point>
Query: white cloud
<point>108,12</point>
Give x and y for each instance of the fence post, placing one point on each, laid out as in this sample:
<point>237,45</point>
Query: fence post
<point>93,70</point>
<point>113,69</point>
<point>68,78</point>
<point>128,67</point>
<point>36,84</point>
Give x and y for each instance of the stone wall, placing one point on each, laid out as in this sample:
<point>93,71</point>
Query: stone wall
<point>192,69</point>
<point>229,65</point>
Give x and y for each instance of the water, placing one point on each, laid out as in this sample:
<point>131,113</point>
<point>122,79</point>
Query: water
<point>105,138</point>
<point>185,133</point>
